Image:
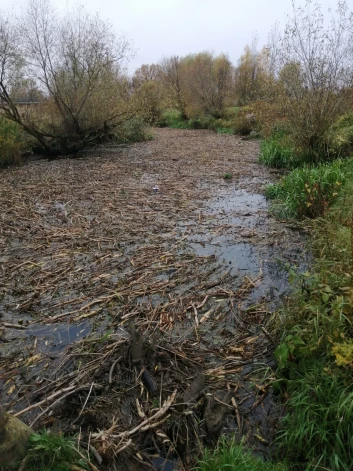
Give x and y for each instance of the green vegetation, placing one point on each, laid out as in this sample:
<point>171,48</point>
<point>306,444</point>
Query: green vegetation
<point>315,352</point>
<point>308,191</point>
<point>229,456</point>
<point>277,150</point>
<point>133,130</point>
<point>13,143</point>
<point>227,176</point>
<point>318,429</point>
<point>52,452</point>
<point>234,121</point>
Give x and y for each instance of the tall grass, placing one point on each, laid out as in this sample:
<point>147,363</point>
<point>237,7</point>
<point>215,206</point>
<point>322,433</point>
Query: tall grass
<point>277,151</point>
<point>308,191</point>
<point>229,456</point>
<point>13,143</point>
<point>317,432</point>
<point>315,353</point>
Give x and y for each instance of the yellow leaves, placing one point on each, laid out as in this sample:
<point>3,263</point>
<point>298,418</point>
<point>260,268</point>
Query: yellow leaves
<point>344,354</point>
<point>309,204</point>
<point>33,359</point>
<point>338,183</point>
<point>11,390</point>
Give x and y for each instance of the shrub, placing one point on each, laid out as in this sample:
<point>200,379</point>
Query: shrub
<point>173,119</point>
<point>13,143</point>
<point>244,122</point>
<point>307,192</point>
<point>268,117</point>
<point>134,130</point>
<point>340,137</point>
<point>229,456</point>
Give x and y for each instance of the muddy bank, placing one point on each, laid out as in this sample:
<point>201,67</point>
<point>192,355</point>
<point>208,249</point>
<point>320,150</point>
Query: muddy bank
<point>90,249</point>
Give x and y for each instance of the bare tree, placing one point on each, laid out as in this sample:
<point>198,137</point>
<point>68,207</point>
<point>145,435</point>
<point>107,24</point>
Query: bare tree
<point>77,63</point>
<point>313,64</point>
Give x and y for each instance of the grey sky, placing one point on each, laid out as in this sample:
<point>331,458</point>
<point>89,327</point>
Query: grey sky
<point>179,27</point>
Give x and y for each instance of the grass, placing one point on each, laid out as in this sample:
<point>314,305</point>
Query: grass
<point>277,151</point>
<point>227,176</point>
<point>309,191</point>
<point>315,350</point>
<point>52,452</point>
<point>229,456</point>
<point>317,433</point>
<point>13,143</point>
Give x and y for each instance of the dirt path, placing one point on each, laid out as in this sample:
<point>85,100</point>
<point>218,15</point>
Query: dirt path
<point>89,247</point>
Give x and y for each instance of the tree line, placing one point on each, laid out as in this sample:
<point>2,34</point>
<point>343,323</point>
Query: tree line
<point>71,71</point>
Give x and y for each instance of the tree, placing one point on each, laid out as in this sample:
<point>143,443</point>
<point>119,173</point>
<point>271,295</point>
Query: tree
<point>77,63</point>
<point>173,77</point>
<point>208,82</point>
<point>312,61</point>
<point>149,92</point>
<point>252,75</point>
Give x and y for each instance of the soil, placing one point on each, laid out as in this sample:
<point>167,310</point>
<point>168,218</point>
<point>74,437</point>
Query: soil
<point>136,288</point>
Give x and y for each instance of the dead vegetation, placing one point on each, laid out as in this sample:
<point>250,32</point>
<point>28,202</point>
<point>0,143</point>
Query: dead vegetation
<point>113,326</point>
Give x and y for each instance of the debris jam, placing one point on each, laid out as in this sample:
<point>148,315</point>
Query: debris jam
<point>136,288</point>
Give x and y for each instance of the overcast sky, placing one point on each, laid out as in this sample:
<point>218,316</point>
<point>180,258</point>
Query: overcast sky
<point>178,27</point>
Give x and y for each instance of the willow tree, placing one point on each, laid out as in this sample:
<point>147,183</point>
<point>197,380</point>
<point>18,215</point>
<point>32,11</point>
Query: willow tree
<point>77,63</point>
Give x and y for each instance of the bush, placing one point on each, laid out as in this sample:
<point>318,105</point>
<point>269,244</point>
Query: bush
<point>245,122</point>
<point>307,192</point>
<point>340,137</point>
<point>229,456</point>
<point>13,143</point>
<point>134,130</point>
<point>268,117</point>
<point>173,119</point>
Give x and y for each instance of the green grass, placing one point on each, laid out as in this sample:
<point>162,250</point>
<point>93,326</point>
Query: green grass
<point>308,191</point>
<point>52,452</point>
<point>229,456</point>
<point>227,176</point>
<point>317,433</point>
<point>277,151</point>
<point>225,125</point>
